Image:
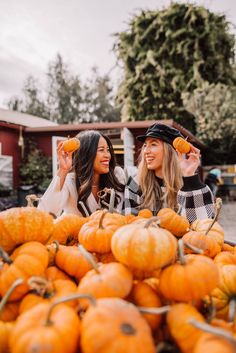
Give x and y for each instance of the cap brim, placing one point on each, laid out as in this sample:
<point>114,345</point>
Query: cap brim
<point>141,138</point>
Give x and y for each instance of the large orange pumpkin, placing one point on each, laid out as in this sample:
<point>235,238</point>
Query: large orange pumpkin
<point>22,224</point>
<point>123,328</point>
<point>144,246</point>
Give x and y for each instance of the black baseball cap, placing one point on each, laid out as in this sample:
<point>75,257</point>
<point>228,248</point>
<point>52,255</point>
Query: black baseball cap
<point>162,132</point>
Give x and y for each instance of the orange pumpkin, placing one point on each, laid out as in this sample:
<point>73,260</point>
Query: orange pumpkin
<point>225,258</point>
<point>181,330</point>
<point>106,280</point>
<point>66,229</point>
<point>214,344</point>
<point>22,224</point>
<point>170,220</point>
<point>191,279</point>
<point>203,241</point>
<point>225,292</point>
<point>181,145</point>
<point>216,232</point>
<point>71,260</point>
<point>123,328</point>
<point>142,294</point>
<point>46,328</point>
<point>29,259</point>
<point>52,273</point>
<point>145,213</point>
<point>96,234</point>
<point>71,145</point>
<point>44,290</point>
<point>144,246</point>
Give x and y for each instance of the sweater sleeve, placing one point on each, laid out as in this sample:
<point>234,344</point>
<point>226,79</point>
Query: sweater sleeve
<point>195,199</point>
<point>54,198</point>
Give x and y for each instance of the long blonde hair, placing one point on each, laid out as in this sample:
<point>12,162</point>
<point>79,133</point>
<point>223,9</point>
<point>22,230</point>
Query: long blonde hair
<point>152,195</point>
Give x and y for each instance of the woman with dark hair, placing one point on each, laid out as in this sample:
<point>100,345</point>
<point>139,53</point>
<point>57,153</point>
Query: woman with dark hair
<point>84,182</point>
<point>166,178</point>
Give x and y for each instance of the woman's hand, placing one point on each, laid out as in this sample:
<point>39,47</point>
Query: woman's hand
<point>190,164</point>
<point>64,159</point>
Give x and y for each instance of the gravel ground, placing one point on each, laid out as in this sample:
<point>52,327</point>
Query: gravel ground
<point>227,219</point>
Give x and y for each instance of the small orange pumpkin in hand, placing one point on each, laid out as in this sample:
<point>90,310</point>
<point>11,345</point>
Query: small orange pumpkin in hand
<point>181,145</point>
<point>71,144</point>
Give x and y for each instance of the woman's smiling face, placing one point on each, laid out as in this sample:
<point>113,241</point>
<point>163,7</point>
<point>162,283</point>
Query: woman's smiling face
<point>103,157</point>
<point>153,151</point>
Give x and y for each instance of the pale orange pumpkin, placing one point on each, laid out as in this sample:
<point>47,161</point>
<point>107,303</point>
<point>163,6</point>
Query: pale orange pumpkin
<point>144,246</point>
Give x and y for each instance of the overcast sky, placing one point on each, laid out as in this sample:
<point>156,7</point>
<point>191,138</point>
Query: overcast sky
<point>33,32</point>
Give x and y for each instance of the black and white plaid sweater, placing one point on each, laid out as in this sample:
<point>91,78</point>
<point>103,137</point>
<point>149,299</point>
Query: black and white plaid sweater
<point>194,199</point>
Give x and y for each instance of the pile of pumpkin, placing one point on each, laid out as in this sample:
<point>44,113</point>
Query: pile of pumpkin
<point>110,283</point>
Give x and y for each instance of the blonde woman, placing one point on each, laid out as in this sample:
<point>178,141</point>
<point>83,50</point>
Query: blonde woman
<point>166,178</point>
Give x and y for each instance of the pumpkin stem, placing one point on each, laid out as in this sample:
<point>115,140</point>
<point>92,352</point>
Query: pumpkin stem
<point>89,258</point>
<point>152,220</point>
<point>40,285</point>
<point>232,309</point>
<point>181,252</point>
<point>112,201</point>
<point>31,199</point>
<point>157,311</point>
<point>193,248</point>
<point>218,206</point>
<point>211,308</point>
<point>84,208</point>
<point>49,322</point>
<point>4,255</point>
<point>212,329</point>
<point>7,295</point>
<point>101,219</point>
<point>127,329</point>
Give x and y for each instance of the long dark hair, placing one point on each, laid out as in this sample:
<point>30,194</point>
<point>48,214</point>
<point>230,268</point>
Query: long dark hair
<point>83,167</point>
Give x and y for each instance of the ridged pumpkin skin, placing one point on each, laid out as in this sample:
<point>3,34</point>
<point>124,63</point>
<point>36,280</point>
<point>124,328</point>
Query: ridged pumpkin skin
<point>216,232</point>
<point>181,145</point>
<point>173,222</point>
<point>19,225</point>
<point>71,145</point>
<point>225,291</point>
<point>71,260</point>
<point>123,329</point>
<point>192,281</point>
<point>30,334</point>
<point>30,259</point>
<point>5,333</point>
<point>53,273</point>
<point>96,234</point>
<point>225,258</point>
<point>181,330</point>
<point>208,244</point>
<point>66,229</point>
<point>144,249</point>
<point>113,280</point>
